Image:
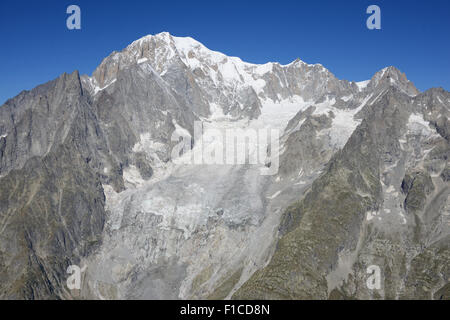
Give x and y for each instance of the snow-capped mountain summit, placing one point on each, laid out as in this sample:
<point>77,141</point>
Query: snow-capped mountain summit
<point>213,80</point>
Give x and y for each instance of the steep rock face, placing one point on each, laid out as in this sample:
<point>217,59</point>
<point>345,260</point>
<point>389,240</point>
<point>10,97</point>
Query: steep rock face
<point>34,121</point>
<point>51,214</point>
<point>51,199</point>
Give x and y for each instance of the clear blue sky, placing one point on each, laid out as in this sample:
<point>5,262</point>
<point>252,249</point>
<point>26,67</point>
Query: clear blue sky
<point>36,46</point>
